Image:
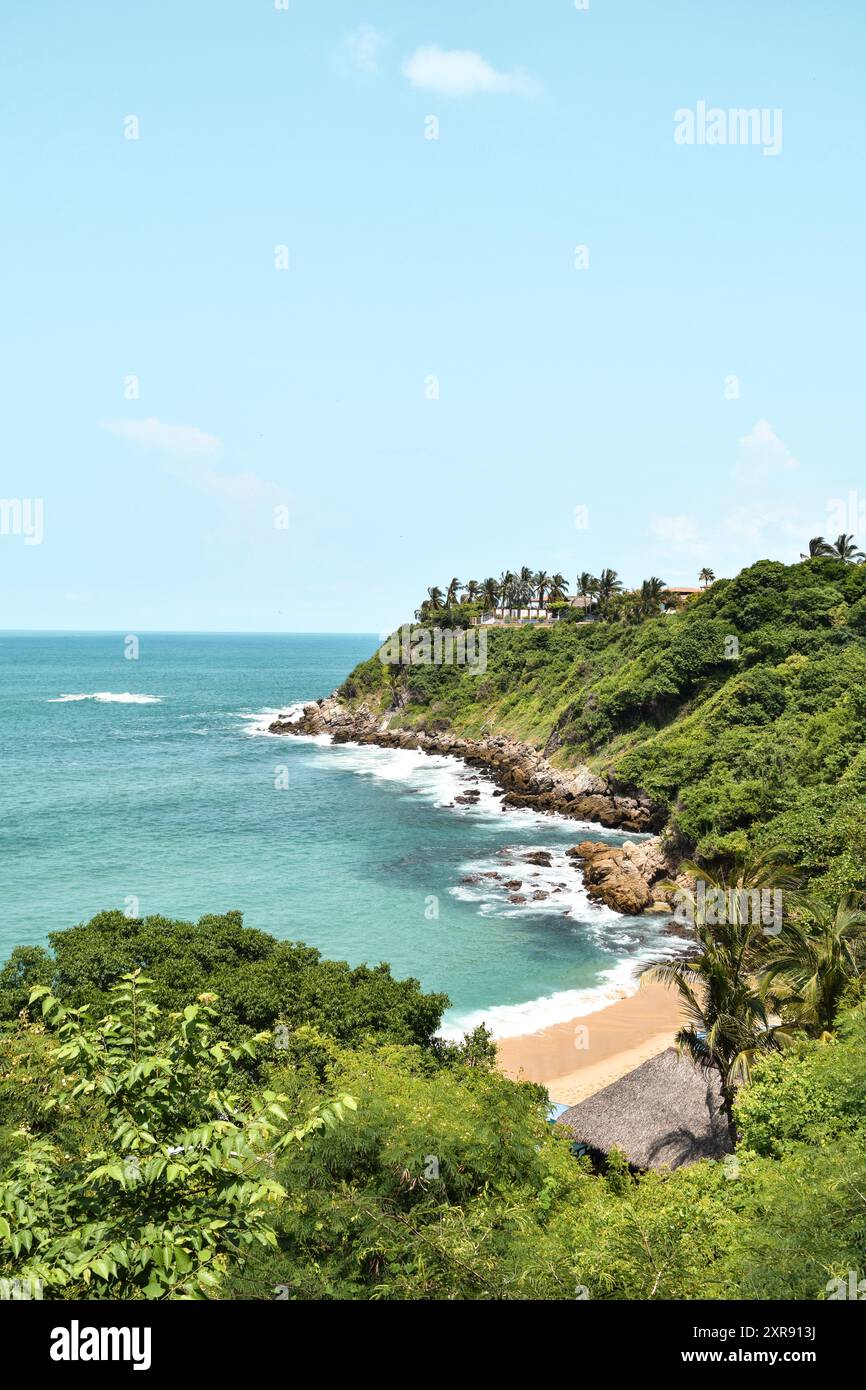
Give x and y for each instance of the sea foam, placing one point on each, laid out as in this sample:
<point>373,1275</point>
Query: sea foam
<point>108,697</point>
<point>514,1020</point>
<point>440,779</point>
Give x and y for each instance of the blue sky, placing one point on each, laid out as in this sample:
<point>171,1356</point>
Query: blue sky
<point>410,258</point>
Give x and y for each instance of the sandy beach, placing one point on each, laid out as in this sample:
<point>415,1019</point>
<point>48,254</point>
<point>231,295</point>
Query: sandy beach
<point>577,1058</point>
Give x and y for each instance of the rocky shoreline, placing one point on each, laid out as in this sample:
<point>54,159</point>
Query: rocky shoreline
<point>626,877</point>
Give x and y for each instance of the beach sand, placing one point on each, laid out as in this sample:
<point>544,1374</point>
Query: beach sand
<point>576,1059</point>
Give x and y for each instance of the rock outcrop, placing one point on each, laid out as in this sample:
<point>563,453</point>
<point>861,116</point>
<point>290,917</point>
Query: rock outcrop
<point>626,877</point>
<point>522,772</point>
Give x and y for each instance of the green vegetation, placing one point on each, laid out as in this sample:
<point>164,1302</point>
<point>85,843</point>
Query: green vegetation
<point>142,1157</point>
<point>516,591</point>
<point>723,981</point>
<point>197,1110</point>
<point>260,981</point>
<point>143,1173</point>
<point>744,714</point>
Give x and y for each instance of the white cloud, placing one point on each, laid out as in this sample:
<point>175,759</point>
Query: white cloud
<point>361,50</point>
<point>461,73</point>
<point>763,448</point>
<point>190,452</point>
<point>181,441</point>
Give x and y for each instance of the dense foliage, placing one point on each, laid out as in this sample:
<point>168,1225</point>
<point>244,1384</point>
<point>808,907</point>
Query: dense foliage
<point>744,714</point>
<point>449,1183</point>
<point>260,981</point>
<point>143,1173</point>
<point>142,1157</point>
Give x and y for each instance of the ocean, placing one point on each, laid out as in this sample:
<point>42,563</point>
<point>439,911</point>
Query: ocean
<point>151,785</point>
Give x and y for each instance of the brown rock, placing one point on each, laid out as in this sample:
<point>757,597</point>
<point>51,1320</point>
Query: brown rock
<point>611,877</point>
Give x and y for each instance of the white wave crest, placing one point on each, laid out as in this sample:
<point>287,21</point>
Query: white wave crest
<point>440,778</point>
<point>514,1020</point>
<point>257,724</point>
<point>108,697</point>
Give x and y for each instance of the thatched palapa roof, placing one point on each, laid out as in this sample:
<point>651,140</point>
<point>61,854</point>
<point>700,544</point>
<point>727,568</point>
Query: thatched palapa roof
<point>667,1112</point>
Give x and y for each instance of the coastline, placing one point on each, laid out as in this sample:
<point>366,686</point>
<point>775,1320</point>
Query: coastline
<point>576,1059</point>
<point>631,878</point>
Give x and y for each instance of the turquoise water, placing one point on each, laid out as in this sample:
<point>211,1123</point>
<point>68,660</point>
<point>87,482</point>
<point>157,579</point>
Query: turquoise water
<point>150,785</point>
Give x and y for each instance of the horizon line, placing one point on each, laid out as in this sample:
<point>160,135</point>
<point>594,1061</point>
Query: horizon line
<point>179,632</point>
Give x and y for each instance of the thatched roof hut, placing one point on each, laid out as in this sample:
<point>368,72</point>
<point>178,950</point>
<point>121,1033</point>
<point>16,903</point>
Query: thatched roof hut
<point>667,1112</point>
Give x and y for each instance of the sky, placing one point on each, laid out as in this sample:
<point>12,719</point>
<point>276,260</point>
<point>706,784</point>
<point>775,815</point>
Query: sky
<point>308,307</point>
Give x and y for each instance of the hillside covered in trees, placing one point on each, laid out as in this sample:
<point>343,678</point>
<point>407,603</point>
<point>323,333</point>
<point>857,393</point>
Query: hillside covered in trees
<point>744,714</point>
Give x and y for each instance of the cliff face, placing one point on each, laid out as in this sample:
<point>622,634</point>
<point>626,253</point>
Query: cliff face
<point>621,876</point>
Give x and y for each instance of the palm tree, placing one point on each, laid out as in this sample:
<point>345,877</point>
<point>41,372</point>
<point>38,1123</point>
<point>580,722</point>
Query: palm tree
<point>472,591</point>
<point>727,1008</point>
<point>587,587</point>
<point>395,676</point>
<point>845,549</point>
<point>817,546</point>
<point>816,959</point>
<point>635,607</point>
<point>451,594</point>
<point>652,592</point>
<point>524,585</point>
<point>706,577</point>
<point>434,600</point>
<point>558,588</point>
<point>490,593</point>
<point>608,585</point>
<point>541,584</point>
<point>506,588</point>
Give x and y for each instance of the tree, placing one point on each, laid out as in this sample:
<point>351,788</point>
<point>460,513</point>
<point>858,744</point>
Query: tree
<point>608,585</point>
<point>651,597</point>
<point>507,588</point>
<point>472,591</point>
<point>558,588</point>
<point>818,956</point>
<point>844,549</point>
<point>260,981</point>
<point>817,547</point>
<point>490,593</point>
<point>706,577</point>
<point>442,1185</point>
<point>728,1014</point>
<point>169,1178</point>
<point>524,585</point>
<point>587,587</point>
<point>435,600</point>
<point>541,585</point>
<point>452,593</point>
